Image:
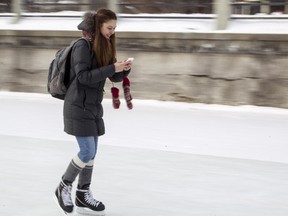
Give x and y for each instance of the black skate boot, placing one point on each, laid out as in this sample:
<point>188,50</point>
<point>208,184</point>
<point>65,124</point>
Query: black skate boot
<point>87,204</point>
<point>63,195</point>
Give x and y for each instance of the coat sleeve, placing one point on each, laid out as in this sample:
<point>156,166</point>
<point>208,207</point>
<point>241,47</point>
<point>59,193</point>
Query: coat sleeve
<point>81,61</point>
<point>118,77</point>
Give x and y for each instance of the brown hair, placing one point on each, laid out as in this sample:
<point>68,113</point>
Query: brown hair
<point>104,49</point>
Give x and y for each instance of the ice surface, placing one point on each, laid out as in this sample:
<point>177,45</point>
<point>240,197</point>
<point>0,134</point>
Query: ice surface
<point>161,158</point>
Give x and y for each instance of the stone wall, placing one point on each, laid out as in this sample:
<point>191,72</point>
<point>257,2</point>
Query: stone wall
<point>233,69</point>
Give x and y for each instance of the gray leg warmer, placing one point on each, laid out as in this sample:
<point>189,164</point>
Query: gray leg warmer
<point>85,175</point>
<point>73,169</point>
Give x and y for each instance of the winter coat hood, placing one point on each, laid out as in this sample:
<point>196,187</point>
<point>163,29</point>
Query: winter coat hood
<point>88,22</point>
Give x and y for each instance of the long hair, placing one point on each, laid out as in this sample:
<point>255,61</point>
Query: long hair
<point>104,49</point>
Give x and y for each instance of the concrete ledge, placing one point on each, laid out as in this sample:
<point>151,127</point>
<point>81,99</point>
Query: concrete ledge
<point>221,68</point>
<point>261,44</point>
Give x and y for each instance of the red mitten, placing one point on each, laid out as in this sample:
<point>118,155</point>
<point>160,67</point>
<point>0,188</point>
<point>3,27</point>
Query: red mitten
<point>127,95</point>
<point>115,97</point>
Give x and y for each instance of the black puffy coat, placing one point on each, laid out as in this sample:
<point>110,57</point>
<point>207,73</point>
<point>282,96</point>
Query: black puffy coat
<point>83,110</point>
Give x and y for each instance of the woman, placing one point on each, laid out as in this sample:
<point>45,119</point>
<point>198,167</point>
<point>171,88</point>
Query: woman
<point>92,62</point>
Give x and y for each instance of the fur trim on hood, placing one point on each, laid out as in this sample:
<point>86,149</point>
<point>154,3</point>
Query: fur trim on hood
<point>88,22</point>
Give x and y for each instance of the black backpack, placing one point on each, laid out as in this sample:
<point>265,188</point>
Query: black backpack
<point>59,71</point>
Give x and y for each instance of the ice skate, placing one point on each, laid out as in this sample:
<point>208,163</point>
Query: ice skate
<point>63,197</point>
<point>86,204</point>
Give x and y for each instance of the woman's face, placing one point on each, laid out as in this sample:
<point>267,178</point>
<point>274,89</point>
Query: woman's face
<point>108,28</point>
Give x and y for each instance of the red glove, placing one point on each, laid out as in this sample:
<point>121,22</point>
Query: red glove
<point>115,97</point>
<point>127,95</point>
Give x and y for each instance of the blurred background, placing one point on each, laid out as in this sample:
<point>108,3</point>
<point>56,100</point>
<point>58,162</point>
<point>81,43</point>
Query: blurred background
<point>197,51</point>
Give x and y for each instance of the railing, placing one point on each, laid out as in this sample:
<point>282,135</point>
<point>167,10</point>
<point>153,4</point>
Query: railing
<point>188,7</point>
<point>259,7</point>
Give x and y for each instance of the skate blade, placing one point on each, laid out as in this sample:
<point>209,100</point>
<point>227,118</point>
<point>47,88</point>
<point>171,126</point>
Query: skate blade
<point>87,211</point>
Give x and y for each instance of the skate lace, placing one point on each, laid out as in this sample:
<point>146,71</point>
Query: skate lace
<point>90,200</point>
<point>66,195</point>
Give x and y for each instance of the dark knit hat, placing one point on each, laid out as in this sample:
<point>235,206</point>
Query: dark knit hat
<point>88,23</point>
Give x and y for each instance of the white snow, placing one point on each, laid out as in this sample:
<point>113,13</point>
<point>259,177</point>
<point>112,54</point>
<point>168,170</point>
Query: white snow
<point>263,24</point>
<point>161,158</point>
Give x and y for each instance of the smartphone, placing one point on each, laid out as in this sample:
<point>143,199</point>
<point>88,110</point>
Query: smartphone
<point>130,59</point>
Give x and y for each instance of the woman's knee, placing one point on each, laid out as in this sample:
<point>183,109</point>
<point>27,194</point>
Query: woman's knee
<point>86,157</point>
<point>88,148</point>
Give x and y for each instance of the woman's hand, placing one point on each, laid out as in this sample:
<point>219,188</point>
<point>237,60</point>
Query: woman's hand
<point>128,66</point>
<point>121,66</point>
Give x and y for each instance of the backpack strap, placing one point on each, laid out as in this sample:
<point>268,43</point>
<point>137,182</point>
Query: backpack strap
<point>90,49</point>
